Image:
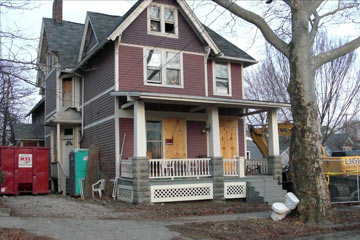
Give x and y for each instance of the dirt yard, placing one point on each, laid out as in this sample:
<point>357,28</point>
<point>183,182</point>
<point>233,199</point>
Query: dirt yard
<point>60,217</point>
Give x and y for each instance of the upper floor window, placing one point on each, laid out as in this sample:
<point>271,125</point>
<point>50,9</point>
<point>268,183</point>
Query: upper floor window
<point>163,68</point>
<point>162,20</point>
<point>222,79</point>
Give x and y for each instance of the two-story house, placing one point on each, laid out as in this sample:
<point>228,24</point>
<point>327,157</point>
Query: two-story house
<point>161,95</point>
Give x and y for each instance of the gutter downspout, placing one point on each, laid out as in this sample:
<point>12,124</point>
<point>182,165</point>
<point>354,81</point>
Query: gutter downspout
<point>206,57</point>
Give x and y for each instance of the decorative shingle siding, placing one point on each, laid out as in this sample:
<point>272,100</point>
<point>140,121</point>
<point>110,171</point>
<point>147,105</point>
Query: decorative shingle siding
<point>99,73</point>
<point>127,128</point>
<point>50,93</point>
<point>103,135</point>
<point>196,141</point>
<point>241,139</point>
<point>187,40</point>
<point>131,73</point>
<point>100,108</point>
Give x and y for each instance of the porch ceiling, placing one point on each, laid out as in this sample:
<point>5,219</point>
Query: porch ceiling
<point>198,100</point>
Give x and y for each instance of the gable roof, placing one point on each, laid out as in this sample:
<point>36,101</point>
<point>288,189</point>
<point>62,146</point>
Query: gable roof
<point>64,39</point>
<point>140,6</point>
<point>105,27</point>
<point>38,105</point>
<point>28,131</point>
<point>103,24</point>
<point>229,49</point>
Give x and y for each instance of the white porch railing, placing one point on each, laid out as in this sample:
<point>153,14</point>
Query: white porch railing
<point>179,168</point>
<point>126,169</point>
<point>234,167</point>
<point>257,166</point>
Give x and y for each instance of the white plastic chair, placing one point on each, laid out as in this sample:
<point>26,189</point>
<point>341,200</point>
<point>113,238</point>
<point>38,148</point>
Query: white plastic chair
<point>98,187</point>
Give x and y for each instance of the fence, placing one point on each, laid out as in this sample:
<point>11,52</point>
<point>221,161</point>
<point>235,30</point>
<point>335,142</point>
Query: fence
<point>342,174</point>
<point>256,166</point>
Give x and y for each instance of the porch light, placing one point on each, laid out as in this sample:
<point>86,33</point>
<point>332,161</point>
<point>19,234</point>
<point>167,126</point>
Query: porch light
<point>206,129</point>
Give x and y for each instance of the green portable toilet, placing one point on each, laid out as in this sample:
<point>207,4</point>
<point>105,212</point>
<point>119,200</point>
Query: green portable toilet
<point>78,162</point>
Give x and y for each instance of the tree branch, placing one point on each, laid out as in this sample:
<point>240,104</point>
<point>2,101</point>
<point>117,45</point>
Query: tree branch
<point>315,4</point>
<point>258,21</point>
<point>337,52</point>
<point>314,27</point>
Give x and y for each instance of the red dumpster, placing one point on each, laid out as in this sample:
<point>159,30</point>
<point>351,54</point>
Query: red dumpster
<point>25,169</point>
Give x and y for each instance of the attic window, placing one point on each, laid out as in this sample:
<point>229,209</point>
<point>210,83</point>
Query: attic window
<point>162,20</point>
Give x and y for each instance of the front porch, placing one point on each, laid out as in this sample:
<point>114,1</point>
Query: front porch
<point>181,151</point>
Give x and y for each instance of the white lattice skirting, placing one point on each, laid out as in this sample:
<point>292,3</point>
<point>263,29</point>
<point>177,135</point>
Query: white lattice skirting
<point>235,190</point>
<point>125,193</point>
<point>181,192</point>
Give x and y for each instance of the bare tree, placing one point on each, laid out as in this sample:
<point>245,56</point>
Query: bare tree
<point>295,25</point>
<point>16,64</point>
<point>337,87</point>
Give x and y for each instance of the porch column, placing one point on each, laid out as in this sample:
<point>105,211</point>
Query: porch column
<point>216,166</point>
<point>274,159</point>
<point>140,166</point>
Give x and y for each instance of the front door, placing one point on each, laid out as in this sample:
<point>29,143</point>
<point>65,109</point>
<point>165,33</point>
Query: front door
<point>67,147</point>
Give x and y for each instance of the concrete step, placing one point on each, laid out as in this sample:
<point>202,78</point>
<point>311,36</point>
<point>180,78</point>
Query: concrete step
<point>264,189</point>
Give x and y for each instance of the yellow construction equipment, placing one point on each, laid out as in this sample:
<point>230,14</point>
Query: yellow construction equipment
<point>340,171</point>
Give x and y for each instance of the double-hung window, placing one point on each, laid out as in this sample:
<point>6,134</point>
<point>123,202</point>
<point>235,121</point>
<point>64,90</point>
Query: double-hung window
<point>162,20</point>
<point>222,80</point>
<point>163,68</point>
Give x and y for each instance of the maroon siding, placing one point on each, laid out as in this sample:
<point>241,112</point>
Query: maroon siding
<point>236,80</point>
<point>127,127</point>
<point>196,141</point>
<point>187,40</point>
<point>99,73</point>
<point>102,135</point>
<point>100,108</point>
<point>131,73</point>
<point>241,138</point>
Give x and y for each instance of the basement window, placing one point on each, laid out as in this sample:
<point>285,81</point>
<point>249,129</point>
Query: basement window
<point>162,20</point>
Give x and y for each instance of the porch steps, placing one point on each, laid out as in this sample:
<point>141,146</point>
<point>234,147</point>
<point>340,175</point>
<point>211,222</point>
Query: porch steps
<point>264,189</point>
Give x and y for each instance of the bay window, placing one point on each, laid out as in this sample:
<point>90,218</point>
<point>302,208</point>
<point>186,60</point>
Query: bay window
<point>163,68</point>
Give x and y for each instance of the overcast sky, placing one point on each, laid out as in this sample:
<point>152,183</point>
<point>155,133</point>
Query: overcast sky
<point>75,11</point>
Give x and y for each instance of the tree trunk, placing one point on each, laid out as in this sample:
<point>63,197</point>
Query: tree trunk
<point>6,113</point>
<point>305,158</point>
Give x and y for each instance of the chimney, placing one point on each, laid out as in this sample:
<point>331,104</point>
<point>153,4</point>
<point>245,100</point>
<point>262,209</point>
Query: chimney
<point>57,11</point>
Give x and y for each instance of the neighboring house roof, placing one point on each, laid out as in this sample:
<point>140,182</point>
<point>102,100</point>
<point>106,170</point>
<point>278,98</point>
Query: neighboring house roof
<point>38,105</point>
<point>253,149</point>
<point>336,142</point>
<point>64,38</point>
<point>28,132</point>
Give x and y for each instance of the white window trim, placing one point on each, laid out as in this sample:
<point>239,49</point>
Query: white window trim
<point>163,69</point>
<point>214,80</point>
<point>162,21</point>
